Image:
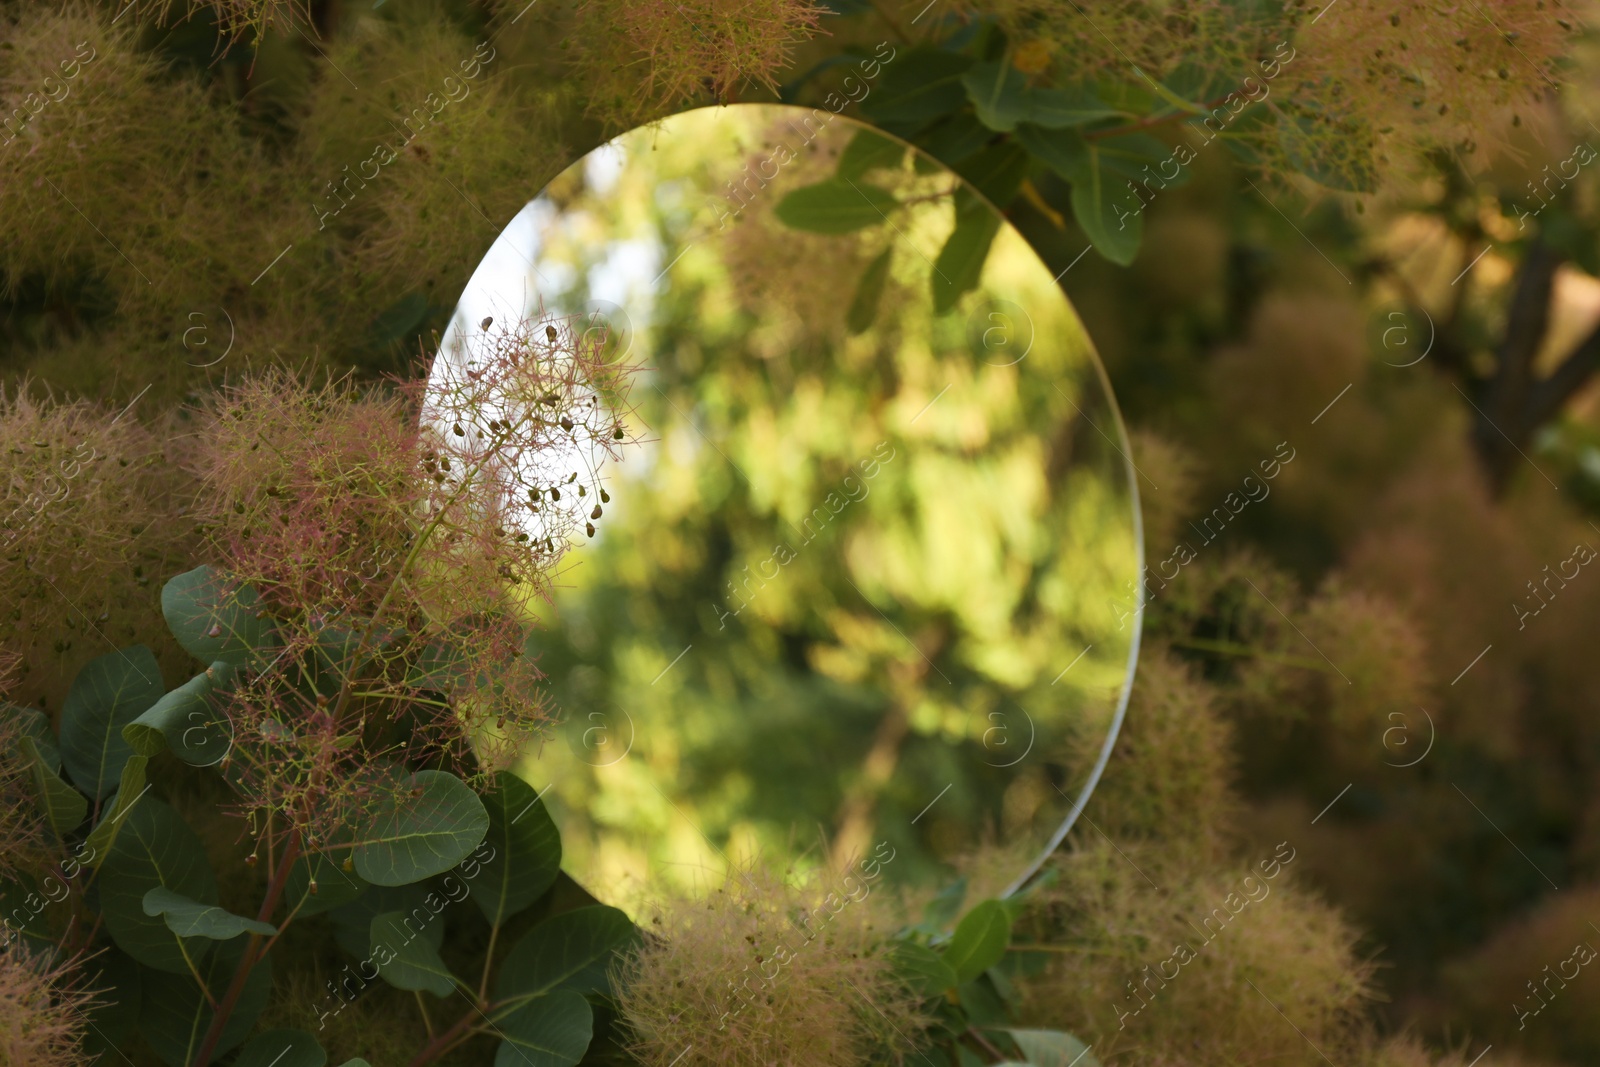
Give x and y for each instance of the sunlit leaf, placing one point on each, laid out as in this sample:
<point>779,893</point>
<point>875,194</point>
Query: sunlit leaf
<point>960,262</point>
<point>869,293</point>
<point>838,205</point>
<point>869,150</point>
<point>979,941</point>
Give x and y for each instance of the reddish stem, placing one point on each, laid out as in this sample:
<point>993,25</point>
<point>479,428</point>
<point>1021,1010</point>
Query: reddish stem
<point>252,954</point>
<point>442,1044</point>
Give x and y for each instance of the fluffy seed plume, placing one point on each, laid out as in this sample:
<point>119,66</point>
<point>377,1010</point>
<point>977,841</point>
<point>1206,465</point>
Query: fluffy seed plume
<point>393,538</point>
<point>42,1006</point>
<point>758,974</point>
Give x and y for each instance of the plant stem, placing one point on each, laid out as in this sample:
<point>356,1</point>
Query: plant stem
<point>984,1043</point>
<point>488,961</point>
<point>417,544</point>
<point>252,956</point>
<point>442,1044</point>
<point>423,1008</point>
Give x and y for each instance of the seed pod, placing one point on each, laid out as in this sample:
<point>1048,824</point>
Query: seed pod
<point>582,491</point>
<point>589,526</point>
<point>566,423</point>
<point>459,431</point>
<point>533,495</point>
<point>605,497</point>
<point>555,494</point>
<point>595,514</point>
<point>550,332</point>
<point>488,321</point>
<point>618,433</point>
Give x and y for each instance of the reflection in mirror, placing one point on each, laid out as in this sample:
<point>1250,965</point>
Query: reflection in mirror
<point>860,585</point>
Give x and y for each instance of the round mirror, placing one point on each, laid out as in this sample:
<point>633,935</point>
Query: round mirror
<point>856,586</point>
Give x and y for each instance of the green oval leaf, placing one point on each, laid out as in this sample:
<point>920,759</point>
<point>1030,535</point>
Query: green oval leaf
<point>212,617</point>
<point>1063,151</point>
<point>918,87</point>
<point>64,807</point>
<point>837,205</point>
<point>550,1031</point>
<point>405,958</point>
<point>186,721</point>
<point>114,815</point>
<point>190,918</point>
<point>1002,98</point>
<point>951,141</point>
<point>979,941</point>
<point>869,150</point>
<point>869,294</point>
<point>36,724</point>
<point>430,821</point>
<point>282,1048</point>
<point>352,922</point>
<point>109,693</point>
<point>154,847</point>
<point>573,950</point>
<point>1058,109</point>
<point>960,262</point>
<point>1111,218</point>
<point>1052,1048</point>
<point>527,851</point>
<point>998,94</point>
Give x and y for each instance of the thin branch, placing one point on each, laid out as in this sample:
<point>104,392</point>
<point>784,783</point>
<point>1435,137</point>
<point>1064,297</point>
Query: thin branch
<point>1548,396</point>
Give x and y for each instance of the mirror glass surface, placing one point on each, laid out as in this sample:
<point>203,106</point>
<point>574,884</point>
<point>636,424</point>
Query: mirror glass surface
<point>864,583</point>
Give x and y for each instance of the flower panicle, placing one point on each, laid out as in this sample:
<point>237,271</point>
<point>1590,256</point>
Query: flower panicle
<point>395,538</point>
